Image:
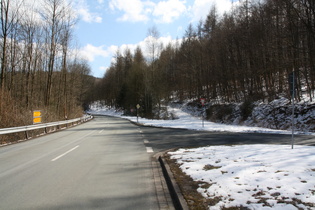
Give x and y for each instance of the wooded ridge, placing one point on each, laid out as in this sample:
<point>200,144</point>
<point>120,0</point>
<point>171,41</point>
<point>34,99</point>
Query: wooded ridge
<point>245,55</point>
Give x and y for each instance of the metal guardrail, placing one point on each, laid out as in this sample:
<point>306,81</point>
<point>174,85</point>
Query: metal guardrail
<point>42,125</point>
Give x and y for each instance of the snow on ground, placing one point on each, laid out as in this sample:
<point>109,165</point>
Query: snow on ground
<point>185,120</point>
<point>253,176</point>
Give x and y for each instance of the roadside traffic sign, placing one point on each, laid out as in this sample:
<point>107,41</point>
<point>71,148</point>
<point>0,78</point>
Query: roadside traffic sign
<point>37,117</point>
<point>202,101</point>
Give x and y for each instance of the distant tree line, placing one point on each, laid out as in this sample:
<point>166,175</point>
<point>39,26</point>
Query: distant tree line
<point>245,55</point>
<point>38,67</point>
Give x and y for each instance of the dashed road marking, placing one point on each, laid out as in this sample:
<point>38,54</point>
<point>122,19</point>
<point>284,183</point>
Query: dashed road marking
<point>146,141</point>
<point>60,156</point>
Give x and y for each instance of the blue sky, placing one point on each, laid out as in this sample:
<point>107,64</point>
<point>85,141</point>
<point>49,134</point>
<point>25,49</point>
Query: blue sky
<point>108,25</point>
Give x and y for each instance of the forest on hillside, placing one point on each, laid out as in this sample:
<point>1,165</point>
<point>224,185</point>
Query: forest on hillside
<point>245,55</point>
<point>39,69</point>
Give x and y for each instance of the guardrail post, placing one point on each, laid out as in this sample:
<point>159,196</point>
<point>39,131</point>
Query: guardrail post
<point>26,135</point>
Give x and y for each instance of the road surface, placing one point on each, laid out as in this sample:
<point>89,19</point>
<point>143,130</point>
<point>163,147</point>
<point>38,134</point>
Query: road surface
<point>102,164</point>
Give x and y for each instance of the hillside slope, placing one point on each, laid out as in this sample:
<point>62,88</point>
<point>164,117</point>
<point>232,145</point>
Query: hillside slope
<point>275,115</point>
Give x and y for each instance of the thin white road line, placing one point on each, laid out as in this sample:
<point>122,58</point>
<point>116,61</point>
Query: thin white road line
<point>101,131</point>
<point>149,149</point>
<point>65,153</point>
<point>146,141</point>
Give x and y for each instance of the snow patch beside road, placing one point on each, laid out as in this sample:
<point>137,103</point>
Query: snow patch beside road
<point>252,176</point>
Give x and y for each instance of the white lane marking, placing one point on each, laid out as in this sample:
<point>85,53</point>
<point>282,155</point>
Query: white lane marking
<point>149,149</point>
<point>146,141</point>
<point>60,156</point>
<point>101,131</point>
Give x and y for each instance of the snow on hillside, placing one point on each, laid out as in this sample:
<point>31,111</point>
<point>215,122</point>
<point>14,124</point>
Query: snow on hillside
<point>187,121</point>
<point>276,114</point>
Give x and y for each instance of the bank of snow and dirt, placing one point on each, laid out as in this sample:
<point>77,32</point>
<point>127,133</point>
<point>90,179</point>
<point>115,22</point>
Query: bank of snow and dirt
<point>252,176</point>
<point>243,176</point>
<point>276,114</point>
<point>273,117</point>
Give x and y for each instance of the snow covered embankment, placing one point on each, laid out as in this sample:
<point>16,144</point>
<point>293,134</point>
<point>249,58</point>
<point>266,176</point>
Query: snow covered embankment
<point>274,115</point>
<point>252,176</point>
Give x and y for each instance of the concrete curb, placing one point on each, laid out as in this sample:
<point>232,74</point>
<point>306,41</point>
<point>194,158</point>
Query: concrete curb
<point>162,193</point>
<point>176,195</point>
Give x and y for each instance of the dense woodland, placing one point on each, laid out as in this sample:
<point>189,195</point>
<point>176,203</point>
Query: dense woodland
<point>39,69</point>
<point>243,56</point>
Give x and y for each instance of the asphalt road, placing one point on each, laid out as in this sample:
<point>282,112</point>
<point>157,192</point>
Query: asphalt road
<point>162,139</point>
<point>102,164</point>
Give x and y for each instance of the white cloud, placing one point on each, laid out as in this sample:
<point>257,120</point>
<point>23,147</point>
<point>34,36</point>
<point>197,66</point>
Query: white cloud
<point>87,16</point>
<point>89,52</point>
<point>103,67</point>
<point>169,10</point>
<point>201,8</point>
<point>142,11</point>
<point>134,10</point>
<point>166,11</point>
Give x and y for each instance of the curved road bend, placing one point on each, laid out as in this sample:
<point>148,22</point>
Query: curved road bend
<point>102,164</point>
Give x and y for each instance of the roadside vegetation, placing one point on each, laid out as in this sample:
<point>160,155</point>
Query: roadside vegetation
<point>39,69</point>
<point>39,66</point>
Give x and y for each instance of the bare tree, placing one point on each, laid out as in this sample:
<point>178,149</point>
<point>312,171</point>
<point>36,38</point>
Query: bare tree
<point>53,14</point>
<point>9,18</point>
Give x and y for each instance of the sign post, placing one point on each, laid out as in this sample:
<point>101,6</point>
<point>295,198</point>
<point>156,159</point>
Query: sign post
<point>292,92</point>
<point>37,116</point>
<point>202,101</point>
<point>138,107</point>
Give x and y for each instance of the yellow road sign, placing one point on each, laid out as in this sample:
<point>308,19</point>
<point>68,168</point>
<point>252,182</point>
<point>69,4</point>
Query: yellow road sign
<point>37,120</point>
<point>37,113</point>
